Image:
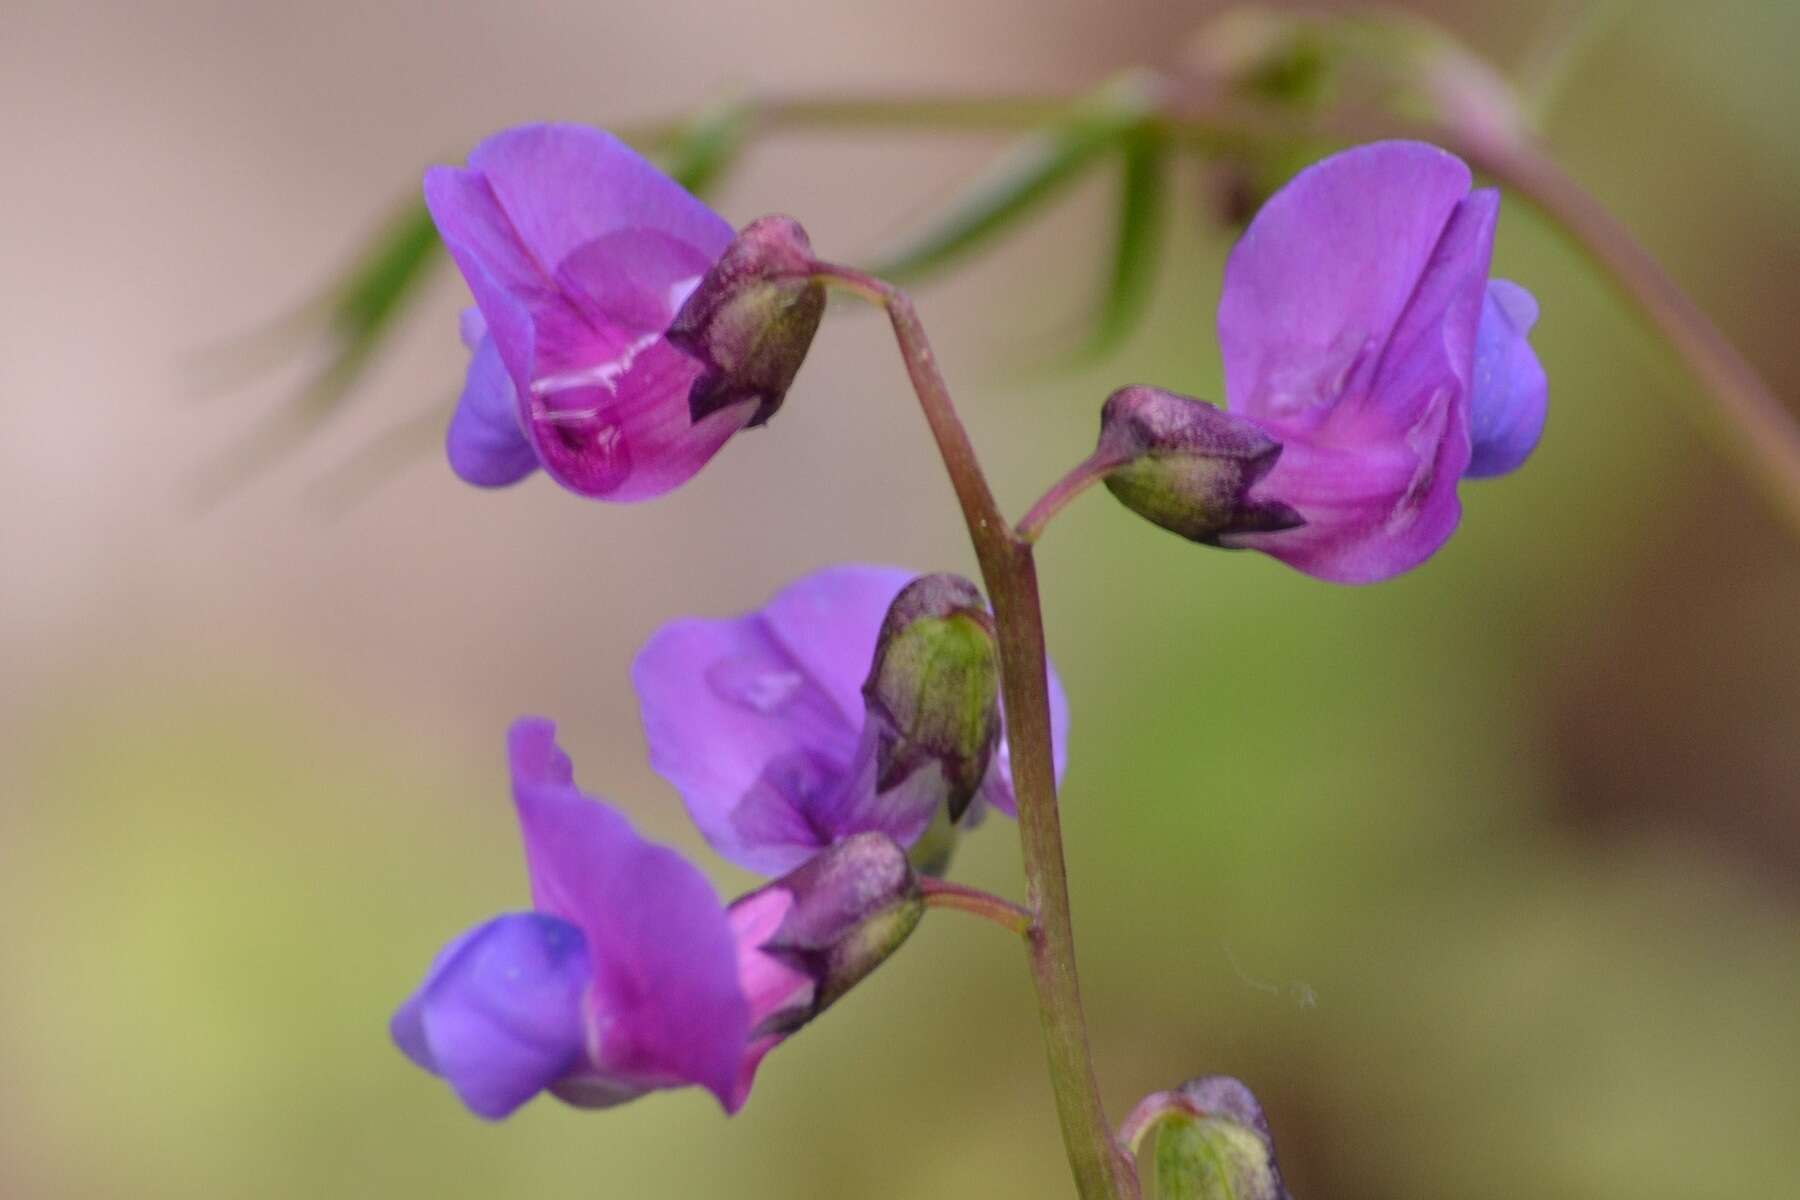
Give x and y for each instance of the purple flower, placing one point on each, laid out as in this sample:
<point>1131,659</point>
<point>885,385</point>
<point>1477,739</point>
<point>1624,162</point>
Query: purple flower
<point>579,254</point>
<point>1360,330</point>
<point>623,979</point>
<point>629,975</point>
<point>761,721</point>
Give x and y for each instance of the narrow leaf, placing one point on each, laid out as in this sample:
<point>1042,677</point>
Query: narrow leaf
<point>1138,244</point>
<point>359,313</point>
<point>703,149</point>
<point>387,273</point>
<point>1024,177</point>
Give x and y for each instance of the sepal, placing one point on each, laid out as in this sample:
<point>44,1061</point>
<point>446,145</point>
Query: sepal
<point>841,914</point>
<point>1212,1142</point>
<point>751,320</point>
<point>1187,466</point>
<point>933,691</point>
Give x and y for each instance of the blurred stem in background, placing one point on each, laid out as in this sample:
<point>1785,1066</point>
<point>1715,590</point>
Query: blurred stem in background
<point>1259,85</point>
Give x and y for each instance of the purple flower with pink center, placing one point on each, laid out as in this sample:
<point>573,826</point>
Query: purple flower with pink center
<point>1360,330</point>
<point>580,254</point>
<point>629,975</point>
<point>764,724</point>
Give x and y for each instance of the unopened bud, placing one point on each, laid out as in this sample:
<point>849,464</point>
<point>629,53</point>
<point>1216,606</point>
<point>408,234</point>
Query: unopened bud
<point>1213,1143</point>
<point>751,320</point>
<point>1187,466</point>
<point>813,934</point>
<point>933,693</point>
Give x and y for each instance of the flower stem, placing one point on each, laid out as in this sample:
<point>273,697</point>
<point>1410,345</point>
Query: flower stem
<point>1748,422</point>
<point>941,893</point>
<point>1101,1172</point>
<point>1081,476</point>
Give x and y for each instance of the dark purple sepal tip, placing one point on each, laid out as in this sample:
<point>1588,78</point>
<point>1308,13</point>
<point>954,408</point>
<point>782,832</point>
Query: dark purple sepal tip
<point>1188,466</point>
<point>854,905</point>
<point>751,320</point>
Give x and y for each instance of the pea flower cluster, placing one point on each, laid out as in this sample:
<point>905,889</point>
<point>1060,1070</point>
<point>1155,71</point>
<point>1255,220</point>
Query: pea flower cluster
<point>628,974</point>
<point>839,739</point>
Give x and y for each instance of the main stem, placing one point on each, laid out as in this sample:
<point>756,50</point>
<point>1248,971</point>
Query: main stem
<point>1010,573</point>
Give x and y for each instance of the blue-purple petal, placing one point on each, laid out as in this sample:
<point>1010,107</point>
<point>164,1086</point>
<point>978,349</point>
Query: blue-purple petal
<point>1314,289</point>
<point>665,998</point>
<point>757,720</point>
<point>1511,392</point>
<point>484,442</point>
<point>829,621</point>
<point>1375,435</point>
<point>578,253</point>
<point>563,185</point>
<point>499,1017</point>
<point>997,787</point>
<point>748,735</point>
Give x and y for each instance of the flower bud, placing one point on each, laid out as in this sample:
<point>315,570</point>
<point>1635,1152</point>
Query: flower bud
<point>751,319</point>
<point>1213,1143</point>
<point>1187,466</point>
<point>933,694</point>
<point>813,934</point>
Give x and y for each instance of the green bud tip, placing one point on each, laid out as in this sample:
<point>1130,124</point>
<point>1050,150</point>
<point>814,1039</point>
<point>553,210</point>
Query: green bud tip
<point>1213,1143</point>
<point>935,683</point>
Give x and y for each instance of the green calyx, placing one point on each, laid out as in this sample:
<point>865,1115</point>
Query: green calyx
<point>1213,1158</point>
<point>936,684</point>
<point>1188,467</point>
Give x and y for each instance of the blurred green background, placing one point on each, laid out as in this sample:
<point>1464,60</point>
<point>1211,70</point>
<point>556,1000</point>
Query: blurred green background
<point>1485,879</point>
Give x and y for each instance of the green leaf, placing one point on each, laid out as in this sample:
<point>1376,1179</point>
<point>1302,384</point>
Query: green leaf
<point>1213,1158</point>
<point>705,147</point>
<point>1138,244</point>
<point>1029,173</point>
<point>358,314</point>
<point>392,267</point>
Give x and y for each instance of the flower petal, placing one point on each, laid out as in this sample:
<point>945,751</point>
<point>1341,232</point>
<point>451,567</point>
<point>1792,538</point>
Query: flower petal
<point>747,733</point>
<point>530,200</point>
<point>1432,348</point>
<point>632,438</point>
<point>562,185</point>
<point>499,1016</point>
<point>1511,393</point>
<point>665,1005</point>
<point>507,283</point>
<point>1347,497</point>
<point>829,621</point>
<point>1318,282</point>
<point>1376,482</point>
<point>484,442</point>
<point>579,253</point>
<point>997,788</point>
<point>757,720</point>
